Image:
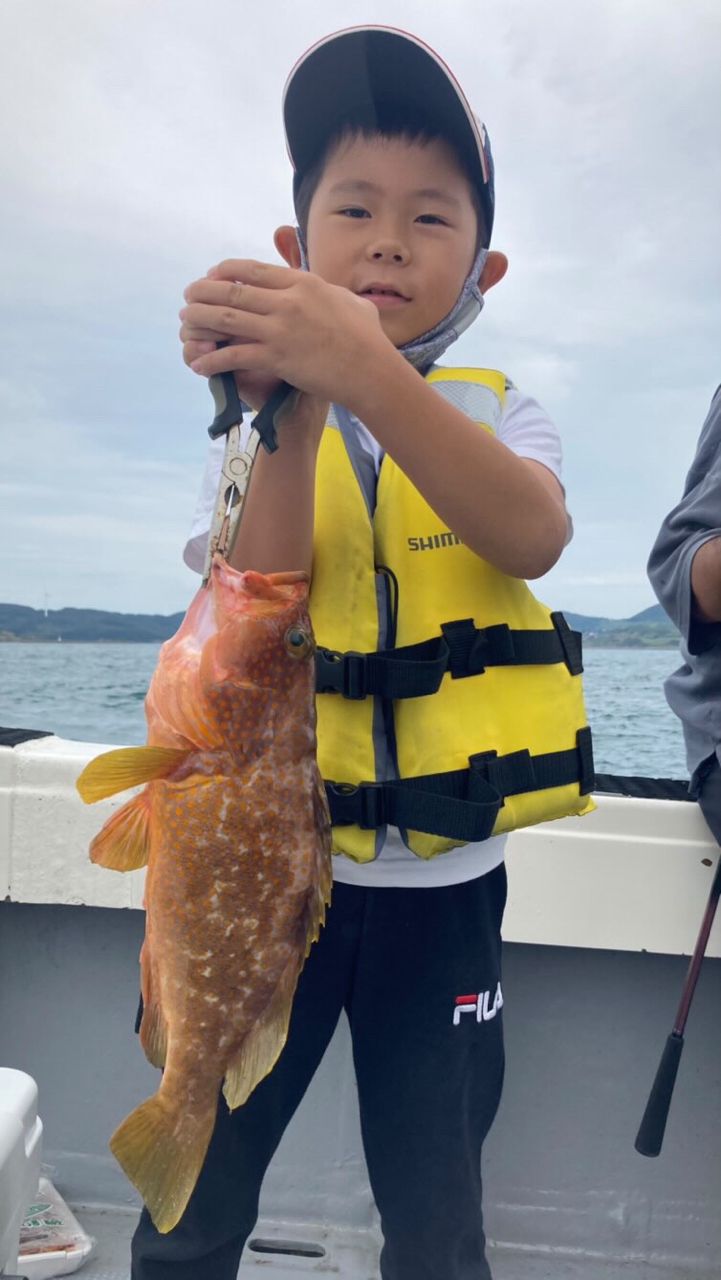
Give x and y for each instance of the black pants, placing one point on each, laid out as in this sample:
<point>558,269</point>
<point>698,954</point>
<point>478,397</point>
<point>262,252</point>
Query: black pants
<point>429,1070</point>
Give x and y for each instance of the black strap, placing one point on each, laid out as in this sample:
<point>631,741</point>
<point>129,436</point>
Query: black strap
<point>643,788</point>
<point>461,804</point>
<point>13,737</point>
<point>408,672</point>
<point>462,649</point>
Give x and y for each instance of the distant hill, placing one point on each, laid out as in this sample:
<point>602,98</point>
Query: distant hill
<point>648,629</point>
<point>18,622</point>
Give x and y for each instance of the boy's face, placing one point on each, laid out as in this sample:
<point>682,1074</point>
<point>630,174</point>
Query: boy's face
<point>397,216</point>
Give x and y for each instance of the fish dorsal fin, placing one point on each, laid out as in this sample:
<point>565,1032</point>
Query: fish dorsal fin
<point>262,1046</point>
<point>123,843</point>
<point>125,767</point>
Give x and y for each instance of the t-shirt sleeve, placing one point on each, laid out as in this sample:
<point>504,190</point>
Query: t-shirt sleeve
<point>194,550</point>
<point>526,428</point>
<point>694,520</point>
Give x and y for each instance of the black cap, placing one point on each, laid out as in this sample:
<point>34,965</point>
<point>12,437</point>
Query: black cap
<point>362,70</point>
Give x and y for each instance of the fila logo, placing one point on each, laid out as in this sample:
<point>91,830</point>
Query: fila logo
<point>433,541</point>
<point>479,1005</point>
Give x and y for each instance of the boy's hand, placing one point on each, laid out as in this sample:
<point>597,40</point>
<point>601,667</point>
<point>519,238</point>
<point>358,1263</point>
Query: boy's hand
<point>281,324</point>
<point>254,389</point>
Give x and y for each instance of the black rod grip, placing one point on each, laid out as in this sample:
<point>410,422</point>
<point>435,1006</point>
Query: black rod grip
<point>649,1138</point>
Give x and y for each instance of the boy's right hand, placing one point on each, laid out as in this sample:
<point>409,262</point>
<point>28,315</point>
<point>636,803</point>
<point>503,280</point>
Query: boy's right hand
<point>253,388</point>
<point>300,410</point>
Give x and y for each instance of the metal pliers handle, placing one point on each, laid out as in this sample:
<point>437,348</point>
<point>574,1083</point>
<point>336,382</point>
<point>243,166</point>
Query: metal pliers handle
<point>237,461</point>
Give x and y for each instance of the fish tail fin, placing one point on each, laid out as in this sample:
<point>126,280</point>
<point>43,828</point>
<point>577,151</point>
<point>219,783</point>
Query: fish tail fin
<point>115,771</point>
<point>123,843</point>
<point>161,1149</point>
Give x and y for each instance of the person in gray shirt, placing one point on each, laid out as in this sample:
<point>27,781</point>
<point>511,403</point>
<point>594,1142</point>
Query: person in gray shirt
<point>685,572</point>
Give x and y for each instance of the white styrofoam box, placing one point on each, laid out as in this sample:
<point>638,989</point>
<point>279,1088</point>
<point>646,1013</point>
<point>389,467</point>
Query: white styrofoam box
<point>53,1243</point>
<point>20,1149</point>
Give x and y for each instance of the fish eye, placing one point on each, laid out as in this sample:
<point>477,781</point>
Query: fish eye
<point>299,643</point>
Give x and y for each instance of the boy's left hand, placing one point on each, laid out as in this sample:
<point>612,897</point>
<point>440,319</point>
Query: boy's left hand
<point>319,337</point>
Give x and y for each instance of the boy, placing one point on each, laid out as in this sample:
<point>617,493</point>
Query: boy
<point>411,517</point>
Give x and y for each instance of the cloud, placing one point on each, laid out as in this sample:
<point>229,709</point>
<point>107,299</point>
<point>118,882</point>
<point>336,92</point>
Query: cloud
<point>141,143</point>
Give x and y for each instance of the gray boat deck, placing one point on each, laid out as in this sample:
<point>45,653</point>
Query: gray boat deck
<point>566,1195</point>
<point>353,1255</point>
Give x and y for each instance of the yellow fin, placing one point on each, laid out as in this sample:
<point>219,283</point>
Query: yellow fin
<point>154,1035</point>
<point>162,1151</point>
<point>123,843</point>
<point>115,771</point>
<point>319,897</point>
<point>262,1046</point>
<point>153,1027</point>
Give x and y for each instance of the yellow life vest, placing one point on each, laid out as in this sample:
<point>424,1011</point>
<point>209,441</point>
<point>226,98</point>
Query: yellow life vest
<point>470,721</point>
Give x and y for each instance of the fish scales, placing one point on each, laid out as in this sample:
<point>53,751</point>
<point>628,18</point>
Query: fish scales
<point>234,826</point>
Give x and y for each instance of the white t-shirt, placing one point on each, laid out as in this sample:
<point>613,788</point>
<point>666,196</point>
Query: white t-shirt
<point>525,428</point>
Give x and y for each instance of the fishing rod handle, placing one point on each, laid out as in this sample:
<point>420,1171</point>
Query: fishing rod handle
<point>649,1138</point>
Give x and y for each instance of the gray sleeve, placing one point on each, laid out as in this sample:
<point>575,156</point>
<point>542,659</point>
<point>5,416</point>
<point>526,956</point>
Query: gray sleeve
<point>695,520</point>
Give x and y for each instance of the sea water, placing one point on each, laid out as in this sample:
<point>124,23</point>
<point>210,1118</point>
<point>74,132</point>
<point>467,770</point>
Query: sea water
<point>95,692</point>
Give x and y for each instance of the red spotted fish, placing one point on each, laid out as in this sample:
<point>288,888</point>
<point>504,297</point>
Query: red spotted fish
<point>234,828</point>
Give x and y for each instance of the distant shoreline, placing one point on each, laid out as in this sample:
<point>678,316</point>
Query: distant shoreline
<point>20,624</point>
<point>668,646</point>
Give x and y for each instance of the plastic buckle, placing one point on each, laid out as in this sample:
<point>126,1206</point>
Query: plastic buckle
<point>343,673</point>
<point>342,803</point>
<point>351,805</point>
<point>372,806</point>
<point>354,675</point>
<point>328,671</point>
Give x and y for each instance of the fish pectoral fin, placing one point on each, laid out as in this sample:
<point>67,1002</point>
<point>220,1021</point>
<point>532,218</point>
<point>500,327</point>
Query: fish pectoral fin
<point>320,893</point>
<point>153,1028</point>
<point>115,771</point>
<point>262,1046</point>
<point>162,1150</point>
<point>155,1039</point>
<point>123,842</point>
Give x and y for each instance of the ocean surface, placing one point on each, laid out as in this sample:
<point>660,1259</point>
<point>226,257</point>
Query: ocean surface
<point>95,692</point>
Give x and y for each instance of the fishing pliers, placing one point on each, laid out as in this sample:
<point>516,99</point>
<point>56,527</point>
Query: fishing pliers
<point>237,462</point>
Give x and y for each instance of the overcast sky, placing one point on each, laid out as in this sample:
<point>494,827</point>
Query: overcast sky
<point>141,142</point>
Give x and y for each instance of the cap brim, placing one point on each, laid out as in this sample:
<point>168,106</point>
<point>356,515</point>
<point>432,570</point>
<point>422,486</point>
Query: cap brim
<point>357,71</point>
